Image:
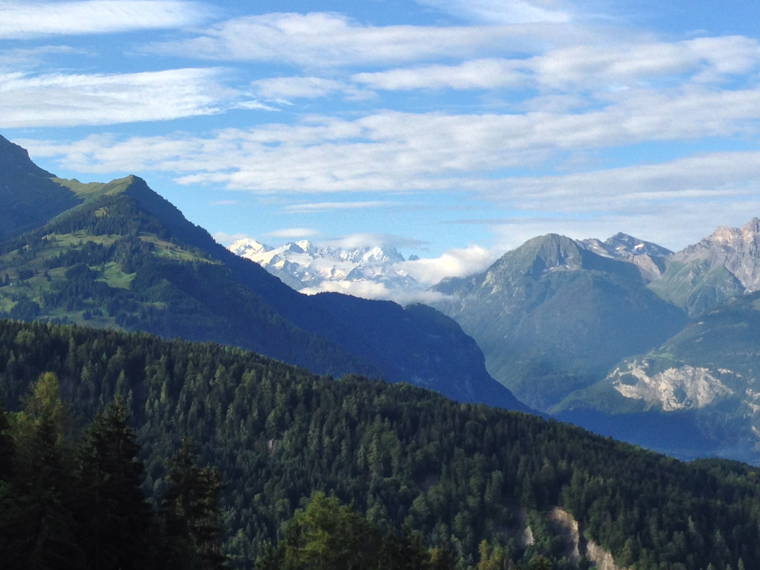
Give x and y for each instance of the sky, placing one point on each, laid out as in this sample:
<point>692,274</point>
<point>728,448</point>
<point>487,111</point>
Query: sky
<point>451,129</point>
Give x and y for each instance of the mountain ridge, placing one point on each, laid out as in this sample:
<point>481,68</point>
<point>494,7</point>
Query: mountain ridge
<point>28,193</point>
<point>123,256</point>
<point>552,315</point>
<point>724,265</point>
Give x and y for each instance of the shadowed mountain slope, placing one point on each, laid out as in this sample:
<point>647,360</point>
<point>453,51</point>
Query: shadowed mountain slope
<point>552,316</point>
<point>123,256</point>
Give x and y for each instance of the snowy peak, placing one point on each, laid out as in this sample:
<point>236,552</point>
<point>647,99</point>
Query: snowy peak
<point>370,271</point>
<point>648,257</point>
<point>624,245</point>
<point>248,246</point>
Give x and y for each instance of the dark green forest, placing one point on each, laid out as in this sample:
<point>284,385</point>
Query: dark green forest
<point>77,503</point>
<point>411,463</point>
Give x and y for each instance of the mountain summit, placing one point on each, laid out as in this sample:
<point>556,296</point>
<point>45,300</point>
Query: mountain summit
<point>650,258</point>
<point>552,315</point>
<point>722,266</point>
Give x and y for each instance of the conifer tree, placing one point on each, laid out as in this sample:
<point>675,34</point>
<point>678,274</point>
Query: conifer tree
<point>7,450</point>
<point>115,515</point>
<point>40,522</point>
<point>191,511</point>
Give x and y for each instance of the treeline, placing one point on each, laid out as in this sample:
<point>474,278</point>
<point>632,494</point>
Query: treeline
<point>77,503</point>
<point>402,457</point>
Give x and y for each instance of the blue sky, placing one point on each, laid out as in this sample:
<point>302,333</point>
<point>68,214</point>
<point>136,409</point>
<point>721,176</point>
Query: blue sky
<point>435,125</point>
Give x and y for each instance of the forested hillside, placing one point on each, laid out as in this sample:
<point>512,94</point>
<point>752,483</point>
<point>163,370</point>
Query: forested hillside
<point>119,255</point>
<point>74,501</point>
<point>455,473</point>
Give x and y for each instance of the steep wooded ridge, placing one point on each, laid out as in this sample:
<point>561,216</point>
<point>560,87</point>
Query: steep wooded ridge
<point>456,473</point>
<point>120,255</point>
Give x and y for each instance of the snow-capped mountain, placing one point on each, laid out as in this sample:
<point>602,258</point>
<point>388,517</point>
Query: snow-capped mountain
<point>649,257</point>
<point>371,271</point>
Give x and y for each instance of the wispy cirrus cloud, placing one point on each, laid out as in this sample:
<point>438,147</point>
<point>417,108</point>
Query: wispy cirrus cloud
<point>31,57</point>
<point>33,100</point>
<point>321,39</point>
<point>475,74</point>
<point>318,207</point>
<point>31,19</point>
<point>703,177</point>
<point>499,11</point>
<point>407,151</point>
<point>367,239</point>
<point>585,68</point>
<point>286,88</point>
<point>293,233</point>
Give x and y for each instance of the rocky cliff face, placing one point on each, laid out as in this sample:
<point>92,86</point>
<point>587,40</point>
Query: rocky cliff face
<point>577,547</point>
<point>720,267</point>
<point>701,387</point>
<point>681,387</point>
<point>735,249</point>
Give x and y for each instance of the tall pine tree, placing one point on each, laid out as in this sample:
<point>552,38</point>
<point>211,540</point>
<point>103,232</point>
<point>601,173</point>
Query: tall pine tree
<point>115,518</point>
<point>191,511</point>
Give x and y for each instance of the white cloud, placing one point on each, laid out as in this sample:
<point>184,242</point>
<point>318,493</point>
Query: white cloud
<point>592,67</point>
<point>297,87</point>
<point>293,233</point>
<point>727,175</point>
<point>253,105</point>
<point>315,207</point>
<point>359,288</point>
<point>358,240</point>
<point>475,74</point>
<point>26,57</point>
<point>453,263</point>
<point>102,99</point>
<point>504,12</point>
<point>325,39</point>
<point>29,18</point>
<point>391,151</point>
<point>374,290</point>
<point>226,238</point>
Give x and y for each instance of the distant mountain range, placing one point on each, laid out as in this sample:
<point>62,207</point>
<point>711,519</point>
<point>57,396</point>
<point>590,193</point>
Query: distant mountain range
<point>119,255</point>
<point>623,336</point>
<point>371,271</point>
